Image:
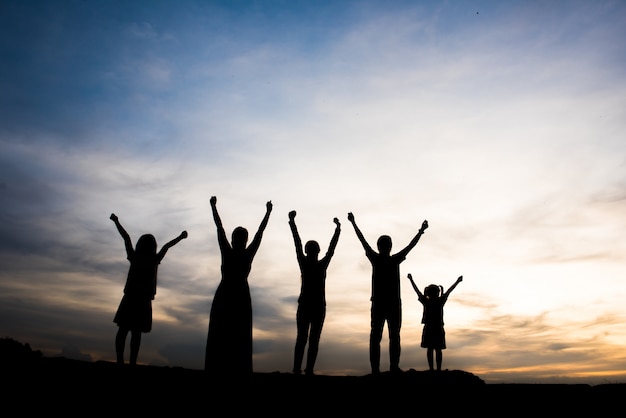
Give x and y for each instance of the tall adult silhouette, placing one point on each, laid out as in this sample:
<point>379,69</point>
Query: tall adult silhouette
<point>386,304</point>
<point>134,313</point>
<point>229,340</point>
<point>312,300</point>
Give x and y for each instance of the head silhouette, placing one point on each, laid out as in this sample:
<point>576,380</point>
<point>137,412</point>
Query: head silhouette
<point>312,248</point>
<point>432,291</point>
<point>384,244</point>
<point>146,245</point>
<point>240,237</point>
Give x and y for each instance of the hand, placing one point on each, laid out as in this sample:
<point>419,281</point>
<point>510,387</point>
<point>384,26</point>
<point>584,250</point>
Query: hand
<point>213,200</point>
<point>269,206</point>
<point>424,226</point>
<point>350,217</point>
<point>409,276</point>
<point>336,221</point>
<point>460,279</point>
<point>113,217</point>
<point>292,215</point>
<point>183,235</point>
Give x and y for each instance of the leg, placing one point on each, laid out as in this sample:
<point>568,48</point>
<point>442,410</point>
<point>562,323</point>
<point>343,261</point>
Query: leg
<point>439,358</point>
<point>120,342</point>
<point>376,335</point>
<point>429,357</point>
<point>394,323</point>
<point>302,325</point>
<point>314,342</point>
<point>135,342</point>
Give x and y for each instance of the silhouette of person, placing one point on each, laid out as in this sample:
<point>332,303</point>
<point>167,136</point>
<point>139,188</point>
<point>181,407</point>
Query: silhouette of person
<point>385,297</point>
<point>229,340</point>
<point>134,313</point>
<point>312,300</point>
<point>433,332</point>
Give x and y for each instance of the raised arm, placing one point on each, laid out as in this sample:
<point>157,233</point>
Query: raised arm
<point>127,242</point>
<point>415,239</point>
<point>459,280</point>
<point>359,235</point>
<point>294,232</point>
<point>334,240</point>
<point>417,290</point>
<point>171,243</point>
<point>221,234</point>
<point>256,242</point>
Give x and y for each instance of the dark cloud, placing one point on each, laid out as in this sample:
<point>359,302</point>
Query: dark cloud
<point>187,353</point>
<point>74,353</point>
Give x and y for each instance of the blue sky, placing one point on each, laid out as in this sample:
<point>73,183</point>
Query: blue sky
<point>501,123</point>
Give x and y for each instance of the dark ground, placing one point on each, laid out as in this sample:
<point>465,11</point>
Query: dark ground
<point>35,384</point>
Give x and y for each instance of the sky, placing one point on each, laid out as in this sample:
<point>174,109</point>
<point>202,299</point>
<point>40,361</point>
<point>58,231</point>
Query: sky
<point>501,123</point>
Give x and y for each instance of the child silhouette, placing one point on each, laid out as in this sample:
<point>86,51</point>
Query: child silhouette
<point>134,313</point>
<point>433,332</point>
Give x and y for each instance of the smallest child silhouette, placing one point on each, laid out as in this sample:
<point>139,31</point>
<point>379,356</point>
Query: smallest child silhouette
<point>433,332</point>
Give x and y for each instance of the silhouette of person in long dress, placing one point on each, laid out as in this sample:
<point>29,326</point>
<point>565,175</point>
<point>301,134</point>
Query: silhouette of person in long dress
<point>134,313</point>
<point>229,340</point>
<point>312,300</point>
<point>386,304</point>
<point>433,332</point>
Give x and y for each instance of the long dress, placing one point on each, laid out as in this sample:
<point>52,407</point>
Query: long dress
<point>229,340</point>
